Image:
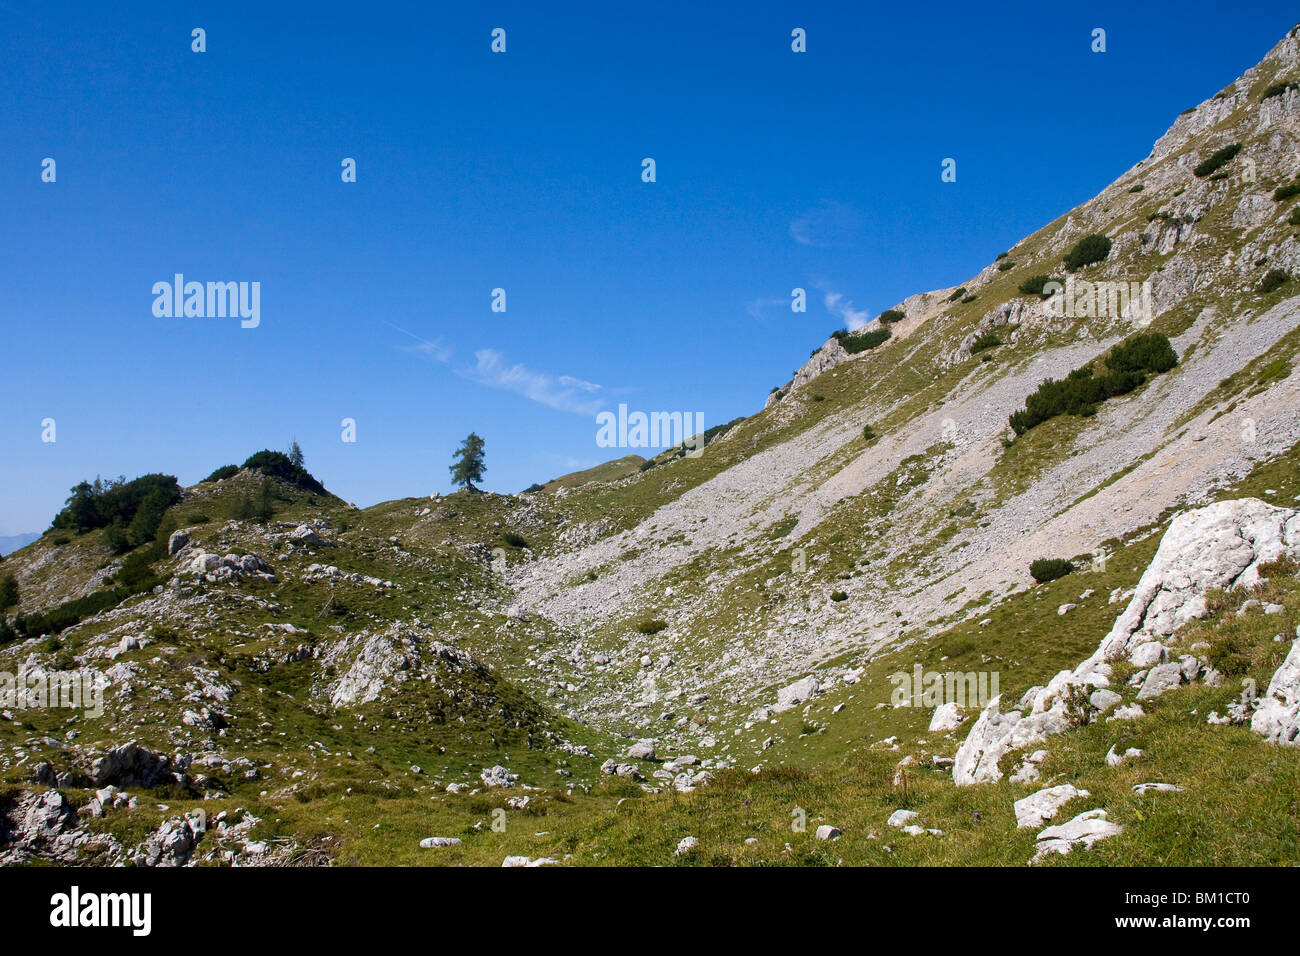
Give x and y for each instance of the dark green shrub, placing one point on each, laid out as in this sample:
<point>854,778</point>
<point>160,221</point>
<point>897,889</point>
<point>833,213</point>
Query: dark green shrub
<point>1006,266</point>
<point>1034,285</point>
<point>8,593</point>
<point>957,295</point>
<point>1275,279</point>
<point>856,342</point>
<point>1000,256</point>
<point>1144,352</point>
<point>1217,159</point>
<point>222,473</point>
<point>819,398</point>
<point>839,596</point>
<point>1138,188</point>
<point>116,539</point>
<point>1288,191</point>
<point>514,540</point>
<point>649,626</point>
<point>1294,218</point>
<point>276,464</point>
<point>534,487</point>
<point>969,298</point>
<point>891,315</point>
<point>1080,392</point>
<point>647,464</point>
<point>986,340</point>
<point>102,503</point>
<point>1049,569</point>
<point>868,433</point>
<point>136,569</point>
<point>148,518</point>
<point>783,527</point>
<point>1091,248</point>
<point>1277,89</point>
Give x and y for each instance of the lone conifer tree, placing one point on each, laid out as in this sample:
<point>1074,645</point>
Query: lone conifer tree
<point>467,464</point>
<point>295,454</point>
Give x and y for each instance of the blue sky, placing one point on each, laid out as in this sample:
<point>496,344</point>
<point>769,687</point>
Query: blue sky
<point>520,171</point>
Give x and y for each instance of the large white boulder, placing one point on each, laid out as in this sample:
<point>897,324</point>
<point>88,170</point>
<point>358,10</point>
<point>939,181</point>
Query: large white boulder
<point>1219,546</point>
<point>801,690</point>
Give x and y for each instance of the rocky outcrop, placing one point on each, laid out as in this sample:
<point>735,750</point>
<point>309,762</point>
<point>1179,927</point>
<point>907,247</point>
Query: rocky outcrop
<point>1221,545</point>
<point>1082,832</point>
<point>305,536</point>
<point>172,844</point>
<point>131,765</point>
<point>215,569</point>
<point>382,663</point>
<point>823,360</point>
<point>996,734</point>
<point>498,776</point>
<point>1038,808</point>
<point>45,826</point>
<point>1277,717</point>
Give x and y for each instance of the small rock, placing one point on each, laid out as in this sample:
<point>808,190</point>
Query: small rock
<point>1158,787</point>
<point>901,817</point>
<point>429,843</point>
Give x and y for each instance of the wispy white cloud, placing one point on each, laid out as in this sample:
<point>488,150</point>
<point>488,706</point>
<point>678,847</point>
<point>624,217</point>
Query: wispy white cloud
<point>434,349</point>
<point>825,225</point>
<point>564,393</point>
<point>758,308</point>
<point>852,317</point>
<point>568,381</point>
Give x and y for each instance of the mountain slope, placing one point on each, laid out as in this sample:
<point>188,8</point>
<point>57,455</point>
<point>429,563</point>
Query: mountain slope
<point>745,609</point>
